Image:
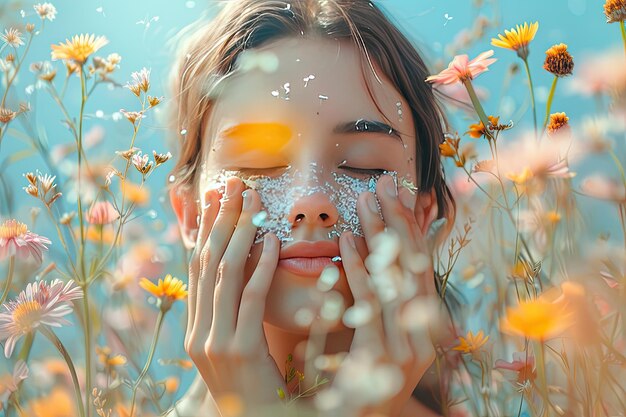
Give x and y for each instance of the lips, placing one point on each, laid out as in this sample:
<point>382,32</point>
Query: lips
<point>308,258</point>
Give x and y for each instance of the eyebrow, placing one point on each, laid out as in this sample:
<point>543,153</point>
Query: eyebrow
<point>367,126</point>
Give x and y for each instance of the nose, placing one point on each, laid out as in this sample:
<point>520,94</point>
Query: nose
<point>313,210</point>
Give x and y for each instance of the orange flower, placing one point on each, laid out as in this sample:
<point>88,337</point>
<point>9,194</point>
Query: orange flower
<point>168,290</point>
<point>558,61</point>
<point>134,193</point>
<point>471,343</point>
<point>615,11</point>
<point>536,319</point>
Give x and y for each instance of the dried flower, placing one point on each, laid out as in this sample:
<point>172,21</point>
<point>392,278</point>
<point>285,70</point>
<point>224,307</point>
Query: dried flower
<point>471,343</point>
<point>127,154</point>
<point>558,123</point>
<point>102,212</point>
<point>615,11</point>
<point>48,76</point>
<point>32,178</point>
<point>153,101</point>
<point>141,163</point>
<point>558,61</point>
<point>10,58</point>
<point>32,190</point>
<point>66,218</point>
<point>450,147</point>
<point>16,239</point>
<point>6,115</point>
<point>461,69</point>
<point>517,39</point>
<point>46,183</point>
<point>168,290</point>
<point>29,27</point>
<point>485,166</point>
<point>478,130</point>
<point>39,304</point>
<point>79,48</point>
<point>141,81</point>
<point>160,158</point>
<point>132,116</point>
<point>12,37</point>
<point>45,11</point>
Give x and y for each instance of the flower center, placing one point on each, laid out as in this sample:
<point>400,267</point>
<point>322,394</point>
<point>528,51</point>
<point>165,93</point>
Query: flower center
<point>27,313</point>
<point>12,228</point>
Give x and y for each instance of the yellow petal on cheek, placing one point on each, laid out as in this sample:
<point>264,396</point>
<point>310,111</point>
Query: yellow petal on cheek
<point>266,138</point>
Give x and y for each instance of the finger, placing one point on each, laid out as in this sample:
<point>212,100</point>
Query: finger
<point>369,216</point>
<point>368,335</point>
<point>249,332</point>
<point>397,216</point>
<point>209,209</point>
<point>228,289</point>
<point>212,252</point>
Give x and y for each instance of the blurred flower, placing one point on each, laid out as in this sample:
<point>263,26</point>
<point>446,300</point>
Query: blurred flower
<point>171,384</point>
<point>520,370</point>
<point>57,403</point>
<point>615,11</point>
<point>12,37</point>
<point>102,212</point>
<point>39,304</point>
<point>517,39</point>
<point>6,115</point>
<point>471,343</point>
<point>461,69</point>
<point>603,72</point>
<point>160,158</point>
<point>134,193</point>
<point>9,383</point>
<point>558,61</point>
<point>604,188</point>
<point>536,319</point>
<point>449,147</point>
<point>105,357</point>
<point>15,239</point>
<point>558,123</point>
<point>29,27</point>
<point>485,166</point>
<point>79,48</point>
<point>141,82</point>
<point>48,76</point>
<point>168,290</point>
<point>45,11</point>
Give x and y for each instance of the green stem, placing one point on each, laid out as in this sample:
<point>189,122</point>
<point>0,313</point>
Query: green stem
<point>59,345</point>
<point>144,371</point>
<point>477,106</point>
<point>621,24</point>
<point>7,283</point>
<point>17,69</point>
<point>549,104</point>
<point>532,94</point>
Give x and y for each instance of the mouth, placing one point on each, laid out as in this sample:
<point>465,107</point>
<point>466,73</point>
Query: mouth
<point>309,258</point>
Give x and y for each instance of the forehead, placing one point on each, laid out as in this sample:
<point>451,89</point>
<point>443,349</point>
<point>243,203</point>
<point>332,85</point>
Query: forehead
<point>310,82</point>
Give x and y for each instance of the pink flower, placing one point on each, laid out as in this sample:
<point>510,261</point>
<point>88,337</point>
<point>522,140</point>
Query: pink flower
<point>102,212</point>
<point>521,369</point>
<point>604,188</point>
<point>39,304</point>
<point>461,69</point>
<point>9,383</point>
<point>15,239</point>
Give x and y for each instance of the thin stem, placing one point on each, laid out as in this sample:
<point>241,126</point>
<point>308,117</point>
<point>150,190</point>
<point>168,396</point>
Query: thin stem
<point>549,104</point>
<point>477,106</point>
<point>17,69</point>
<point>7,282</point>
<point>59,345</point>
<point>144,371</point>
<point>621,24</point>
<point>532,94</point>
<point>541,370</point>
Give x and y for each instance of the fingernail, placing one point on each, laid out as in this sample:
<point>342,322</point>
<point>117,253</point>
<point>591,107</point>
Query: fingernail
<point>371,203</point>
<point>247,199</point>
<point>350,239</point>
<point>407,199</point>
<point>390,187</point>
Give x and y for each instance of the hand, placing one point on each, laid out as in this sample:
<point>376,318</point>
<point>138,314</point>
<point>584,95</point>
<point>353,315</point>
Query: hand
<point>398,274</point>
<point>225,337</point>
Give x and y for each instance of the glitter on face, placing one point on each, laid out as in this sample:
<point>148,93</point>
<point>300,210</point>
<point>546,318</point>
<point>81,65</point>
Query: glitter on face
<point>279,193</point>
<point>399,109</point>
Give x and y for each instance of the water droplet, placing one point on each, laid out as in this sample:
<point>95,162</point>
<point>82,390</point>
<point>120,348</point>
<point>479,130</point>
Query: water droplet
<point>259,219</point>
<point>183,131</point>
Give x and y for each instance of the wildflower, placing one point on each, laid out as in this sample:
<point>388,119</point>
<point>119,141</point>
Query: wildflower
<point>517,39</point>
<point>127,154</point>
<point>141,81</point>
<point>79,48</point>
<point>45,11</point>
<point>536,319</point>
<point>102,212</point>
<point>478,130</point>
<point>29,27</point>
<point>160,158</point>
<point>39,304</point>
<point>461,69</point>
<point>46,182</point>
<point>12,37</point>
<point>615,11</point>
<point>449,147</point>
<point>6,115</point>
<point>153,101</point>
<point>520,370</point>
<point>15,239</point>
<point>105,357</point>
<point>57,403</point>
<point>9,383</point>
<point>168,290</point>
<point>471,342</point>
<point>485,166</point>
<point>132,116</point>
<point>558,61</point>
<point>604,188</point>
<point>141,163</point>
<point>48,76</point>
<point>558,123</point>
<point>134,193</point>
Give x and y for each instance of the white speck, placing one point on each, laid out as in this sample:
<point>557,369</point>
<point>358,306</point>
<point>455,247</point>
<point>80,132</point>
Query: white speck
<point>152,214</point>
<point>183,132</point>
<point>275,93</point>
<point>322,97</point>
<point>190,4</point>
<point>99,114</point>
<point>171,178</point>
<point>448,18</point>
<point>29,89</point>
<point>116,116</point>
<point>287,88</point>
<point>100,9</point>
<point>297,59</point>
<point>22,13</point>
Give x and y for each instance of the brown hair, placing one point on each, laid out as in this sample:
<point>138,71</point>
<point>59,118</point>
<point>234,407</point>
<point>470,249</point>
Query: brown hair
<point>211,49</point>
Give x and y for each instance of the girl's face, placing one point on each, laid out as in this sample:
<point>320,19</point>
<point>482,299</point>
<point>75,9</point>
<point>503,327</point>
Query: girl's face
<point>297,121</point>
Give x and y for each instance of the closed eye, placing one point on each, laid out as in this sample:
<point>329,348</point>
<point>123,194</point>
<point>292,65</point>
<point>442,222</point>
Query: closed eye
<point>364,171</point>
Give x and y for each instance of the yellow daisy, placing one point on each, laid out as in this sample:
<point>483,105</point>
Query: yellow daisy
<point>167,290</point>
<point>79,48</point>
<point>517,39</point>
<point>471,342</point>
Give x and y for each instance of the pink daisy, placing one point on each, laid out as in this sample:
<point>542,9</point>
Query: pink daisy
<point>15,239</point>
<point>9,382</point>
<point>462,69</point>
<point>39,304</point>
<point>102,212</point>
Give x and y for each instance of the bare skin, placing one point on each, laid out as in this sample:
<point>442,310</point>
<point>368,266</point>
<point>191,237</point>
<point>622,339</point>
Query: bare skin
<point>241,324</point>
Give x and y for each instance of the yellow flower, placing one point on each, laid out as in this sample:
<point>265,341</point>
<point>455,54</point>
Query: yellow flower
<point>558,61</point>
<point>538,319</point>
<point>58,403</point>
<point>105,358</point>
<point>615,11</point>
<point>135,193</point>
<point>517,39</point>
<point>471,342</point>
<point>522,177</point>
<point>168,290</point>
<point>79,48</point>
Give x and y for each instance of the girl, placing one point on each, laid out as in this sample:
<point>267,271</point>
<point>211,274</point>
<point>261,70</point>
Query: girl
<point>308,179</point>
